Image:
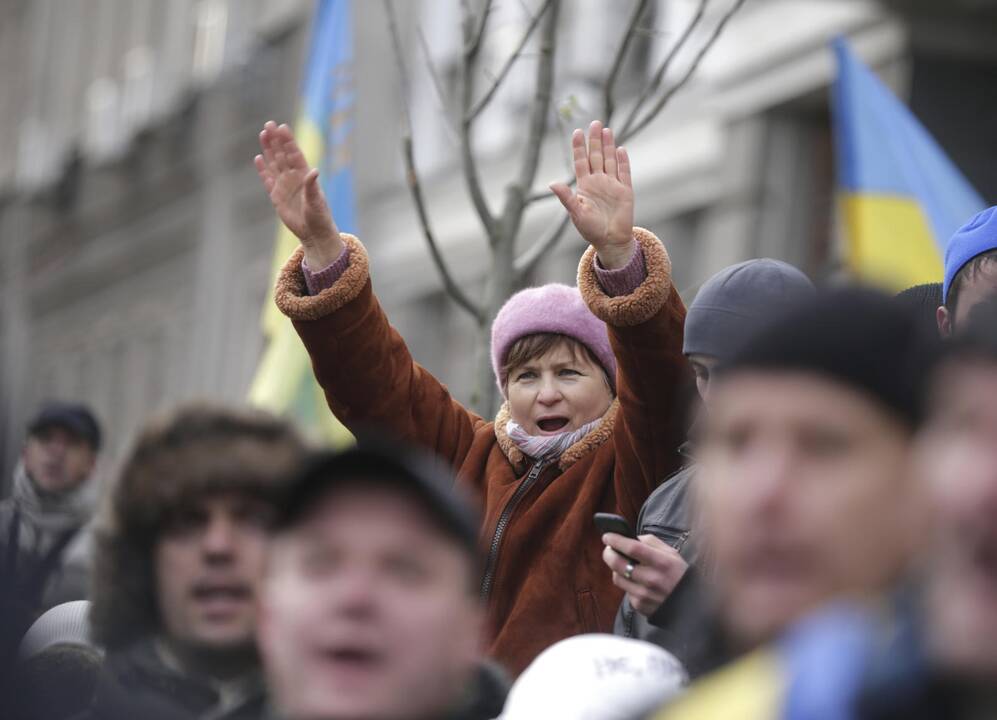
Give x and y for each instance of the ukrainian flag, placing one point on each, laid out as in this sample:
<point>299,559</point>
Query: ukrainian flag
<point>284,382</point>
<point>901,197</point>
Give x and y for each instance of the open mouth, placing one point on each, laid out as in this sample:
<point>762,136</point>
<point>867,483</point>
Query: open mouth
<point>552,424</point>
<point>351,659</point>
<point>222,600</point>
<point>224,592</point>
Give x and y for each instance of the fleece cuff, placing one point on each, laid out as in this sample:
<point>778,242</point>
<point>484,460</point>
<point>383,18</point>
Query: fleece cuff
<point>645,300</point>
<point>292,293</point>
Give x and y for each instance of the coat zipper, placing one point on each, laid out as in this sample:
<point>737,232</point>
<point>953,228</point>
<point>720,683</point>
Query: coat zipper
<point>488,580</point>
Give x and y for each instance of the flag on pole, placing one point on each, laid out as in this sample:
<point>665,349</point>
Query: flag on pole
<point>901,197</point>
<point>284,382</point>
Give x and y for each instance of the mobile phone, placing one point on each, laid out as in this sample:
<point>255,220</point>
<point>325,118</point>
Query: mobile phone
<point>611,523</point>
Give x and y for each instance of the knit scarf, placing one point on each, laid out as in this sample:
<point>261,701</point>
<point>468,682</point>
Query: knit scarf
<point>51,513</point>
<point>546,447</point>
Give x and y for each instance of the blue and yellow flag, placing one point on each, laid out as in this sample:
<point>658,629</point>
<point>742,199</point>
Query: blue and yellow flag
<point>284,382</point>
<point>901,197</point>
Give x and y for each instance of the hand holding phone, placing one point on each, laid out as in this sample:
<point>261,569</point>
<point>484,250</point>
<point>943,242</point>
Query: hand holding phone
<point>612,523</point>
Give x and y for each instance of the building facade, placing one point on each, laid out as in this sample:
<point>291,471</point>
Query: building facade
<point>136,243</point>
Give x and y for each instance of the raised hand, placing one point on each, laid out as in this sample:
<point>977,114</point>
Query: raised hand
<point>297,196</point>
<point>602,206</point>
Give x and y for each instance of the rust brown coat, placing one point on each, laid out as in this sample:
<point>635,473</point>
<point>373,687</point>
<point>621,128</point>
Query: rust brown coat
<point>549,580</point>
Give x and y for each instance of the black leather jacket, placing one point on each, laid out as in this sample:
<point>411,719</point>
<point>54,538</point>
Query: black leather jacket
<point>682,624</point>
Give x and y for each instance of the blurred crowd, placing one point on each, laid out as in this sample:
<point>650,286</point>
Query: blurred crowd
<point>780,502</point>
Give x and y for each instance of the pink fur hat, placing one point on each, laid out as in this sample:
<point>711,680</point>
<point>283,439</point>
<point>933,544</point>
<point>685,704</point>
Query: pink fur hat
<point>552,308</point>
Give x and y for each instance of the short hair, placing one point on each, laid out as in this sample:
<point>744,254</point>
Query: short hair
<point>531,347</point>
<point>966,273</point>
<point>196,451</point>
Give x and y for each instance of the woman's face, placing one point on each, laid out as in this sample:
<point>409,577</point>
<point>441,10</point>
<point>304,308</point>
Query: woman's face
<point>557,392</point>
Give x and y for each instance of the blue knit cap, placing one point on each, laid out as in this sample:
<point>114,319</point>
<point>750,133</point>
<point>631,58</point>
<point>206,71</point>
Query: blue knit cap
<point>732,304</point>
<point>974,238</point>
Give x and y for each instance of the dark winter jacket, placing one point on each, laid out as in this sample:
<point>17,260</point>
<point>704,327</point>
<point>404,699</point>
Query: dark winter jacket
<point>547,579</point>
<point>680,624</point>
<point>44,554</point>
<point>137,684</point>
<point>483,699</point>
<point>45,539</point>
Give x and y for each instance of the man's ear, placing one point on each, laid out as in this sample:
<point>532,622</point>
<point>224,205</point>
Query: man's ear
<point>944,320</point>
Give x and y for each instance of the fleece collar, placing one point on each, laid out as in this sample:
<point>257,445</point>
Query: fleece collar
<point>596,437</point>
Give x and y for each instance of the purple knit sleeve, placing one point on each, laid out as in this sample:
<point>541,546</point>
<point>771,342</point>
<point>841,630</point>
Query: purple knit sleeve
<point>625,280</point>
<point>326,277</point>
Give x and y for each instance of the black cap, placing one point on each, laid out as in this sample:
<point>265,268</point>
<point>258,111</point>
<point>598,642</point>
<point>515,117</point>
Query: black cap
<point>74,417</point>
<point>923,301</point>
<point>379,463</point>
<point>856,336</point>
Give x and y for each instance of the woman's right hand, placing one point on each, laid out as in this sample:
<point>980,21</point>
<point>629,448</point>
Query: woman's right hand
<point>297,196</point>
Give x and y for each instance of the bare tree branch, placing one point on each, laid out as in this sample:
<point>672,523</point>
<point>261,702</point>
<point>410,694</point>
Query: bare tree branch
<point>414,184</point>
<point>449,284</point>
<point>468,162</point>
<point>629,132</point>
<point>528,260</point>
<point>438,86</point>
<point>621,52</point>
<point>659,75</point>
<point>483,102</point>
<point>608,106</point>
<point>537,125</point>
<point>472,42</point>
<point>663,100</point>
<point>541,103</point>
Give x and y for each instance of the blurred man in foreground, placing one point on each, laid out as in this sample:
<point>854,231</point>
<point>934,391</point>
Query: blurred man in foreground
<point>943,662</point>
<point>664,601</point>
<point>806,487</point>
<point>932,652</point>
<point>370,607</point>
<point>179,564</point>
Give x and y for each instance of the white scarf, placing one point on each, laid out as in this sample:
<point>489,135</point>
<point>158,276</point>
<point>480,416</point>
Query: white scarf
<point>52,513</point>
<point>546,447</point>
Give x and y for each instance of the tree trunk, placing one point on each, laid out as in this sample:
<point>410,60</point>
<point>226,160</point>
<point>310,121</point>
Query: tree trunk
<point>504,274</point>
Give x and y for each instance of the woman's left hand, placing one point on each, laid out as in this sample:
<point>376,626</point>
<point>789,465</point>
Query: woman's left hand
<point>602,206</point>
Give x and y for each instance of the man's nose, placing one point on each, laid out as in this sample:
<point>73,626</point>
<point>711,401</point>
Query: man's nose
<point>768,477</point>
<point>219,540</point>
<point>57,445</point>
<point>356,594</point>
